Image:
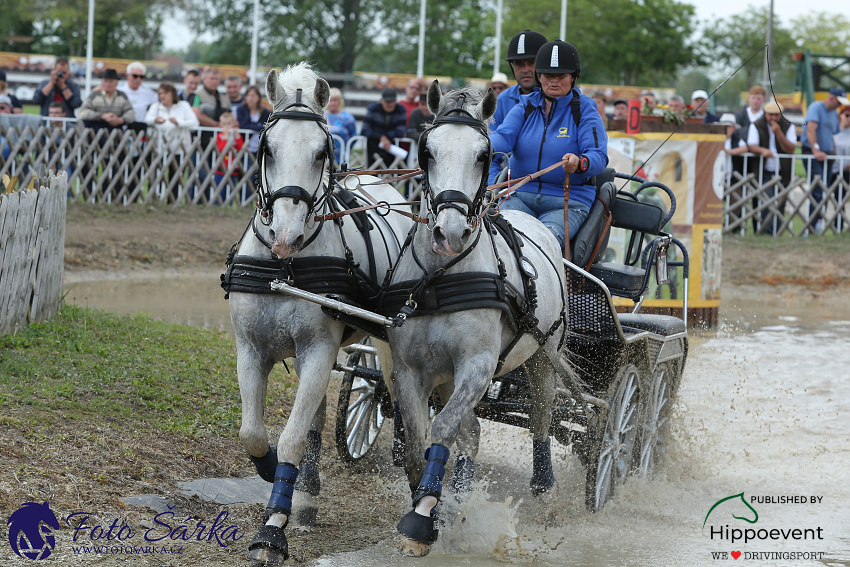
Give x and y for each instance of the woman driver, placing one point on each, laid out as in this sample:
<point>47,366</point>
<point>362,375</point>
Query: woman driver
<point>541,130</point>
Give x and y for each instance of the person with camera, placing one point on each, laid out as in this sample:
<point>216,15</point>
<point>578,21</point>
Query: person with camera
<point>58,88</point>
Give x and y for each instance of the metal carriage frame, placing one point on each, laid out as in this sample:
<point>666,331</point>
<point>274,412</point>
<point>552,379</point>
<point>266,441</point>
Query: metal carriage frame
<point>626,367</point>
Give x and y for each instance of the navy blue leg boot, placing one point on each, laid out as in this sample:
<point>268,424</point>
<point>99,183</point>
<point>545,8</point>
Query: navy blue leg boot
<point>398,437</point>
<point>266,464</point>
<point>270,545</point>
<point>462,476</point>
<point>542,477</point>
<point>416,526</point>
<point>308,480</point>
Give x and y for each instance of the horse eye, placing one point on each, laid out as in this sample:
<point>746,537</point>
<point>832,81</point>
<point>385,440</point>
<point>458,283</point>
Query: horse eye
<point>482,157</point>
<point>322,155</point>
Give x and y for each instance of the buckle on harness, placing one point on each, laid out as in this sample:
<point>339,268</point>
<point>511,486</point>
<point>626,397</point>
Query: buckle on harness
<point>527,268</point>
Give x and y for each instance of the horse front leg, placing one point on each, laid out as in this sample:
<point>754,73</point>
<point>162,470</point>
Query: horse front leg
<point>468,439</point>
<point>542,381</point>
<point>308,485</point>
<point>419,526</point>
<point>313,365</point>
<point>253,372</point>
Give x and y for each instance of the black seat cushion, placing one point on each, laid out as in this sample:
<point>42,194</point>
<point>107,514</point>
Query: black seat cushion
<point>637,216</point>
<point>621,280</point>
<point>664,325</point>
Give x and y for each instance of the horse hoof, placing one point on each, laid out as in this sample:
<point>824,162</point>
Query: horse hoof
<point>413,548</point>
<point>547,488</point>
<point>304,509</point>
<point>269,546</point>
<point>419,533</point>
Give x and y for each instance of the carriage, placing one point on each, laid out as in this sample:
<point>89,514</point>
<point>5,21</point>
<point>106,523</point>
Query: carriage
<point>629,364</point>
<point>501,330</point>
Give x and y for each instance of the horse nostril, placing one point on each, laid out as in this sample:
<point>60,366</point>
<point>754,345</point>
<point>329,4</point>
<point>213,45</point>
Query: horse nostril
<point>439,235</point>
<point>466,234</point>
<point>271,235</point>
<point>298,242</point>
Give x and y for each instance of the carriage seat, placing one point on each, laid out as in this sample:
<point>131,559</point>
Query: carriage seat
<point>664,325</point>
<point>627,279</point>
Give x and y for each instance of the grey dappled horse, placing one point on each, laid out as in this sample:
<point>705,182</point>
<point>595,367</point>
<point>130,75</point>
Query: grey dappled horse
<point>458,352</point>
<point>295,157</point>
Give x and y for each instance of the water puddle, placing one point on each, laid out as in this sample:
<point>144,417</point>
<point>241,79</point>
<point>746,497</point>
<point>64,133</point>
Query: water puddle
<point>761,410</point>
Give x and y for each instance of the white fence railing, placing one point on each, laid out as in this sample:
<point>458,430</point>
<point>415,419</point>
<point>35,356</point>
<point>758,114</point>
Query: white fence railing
<point>125,166</point>
<point>760,202</point>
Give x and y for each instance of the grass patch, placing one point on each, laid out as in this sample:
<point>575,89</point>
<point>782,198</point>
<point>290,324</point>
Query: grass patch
<point>93,366</point>
<point>824,243</point>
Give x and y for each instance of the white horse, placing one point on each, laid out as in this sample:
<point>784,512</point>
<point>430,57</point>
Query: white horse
<point>287,241</point>
<point>459,351</point>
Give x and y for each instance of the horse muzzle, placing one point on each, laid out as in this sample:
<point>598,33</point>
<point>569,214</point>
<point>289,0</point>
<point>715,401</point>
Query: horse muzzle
<point>450,241</point>
<point>284,247</point>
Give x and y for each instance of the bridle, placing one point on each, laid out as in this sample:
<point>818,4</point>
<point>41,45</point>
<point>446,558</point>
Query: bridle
<point>451,199</point>
<point>266,198</point>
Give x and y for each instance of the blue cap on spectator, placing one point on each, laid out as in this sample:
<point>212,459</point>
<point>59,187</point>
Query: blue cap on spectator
<point>839,93</point>
<point>2,75</point>
<point>389,95</point>
<point>110,74</point>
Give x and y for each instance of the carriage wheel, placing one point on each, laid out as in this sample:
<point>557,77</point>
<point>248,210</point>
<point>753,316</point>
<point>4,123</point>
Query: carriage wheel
<point>615,442</point>
<point>359,417</point>
<point>655,418</point>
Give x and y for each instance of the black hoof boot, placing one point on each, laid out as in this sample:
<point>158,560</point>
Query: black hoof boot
<point>266,465</point>
<point>269,546</point>
<point>462,475</point>
<point>542,476</point>
<point>418,527</point>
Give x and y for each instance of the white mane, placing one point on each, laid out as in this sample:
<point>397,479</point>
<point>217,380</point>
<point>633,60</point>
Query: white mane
<point>294,77</point>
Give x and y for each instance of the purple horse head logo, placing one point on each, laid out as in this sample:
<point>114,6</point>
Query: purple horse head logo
<point>31,530</point>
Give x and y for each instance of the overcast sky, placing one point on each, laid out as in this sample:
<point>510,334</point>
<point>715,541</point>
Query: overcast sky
<point>178,36</point>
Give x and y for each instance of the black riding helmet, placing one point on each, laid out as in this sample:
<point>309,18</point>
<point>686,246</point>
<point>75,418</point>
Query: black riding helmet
<point>525,45</point>
<point>558,57</point>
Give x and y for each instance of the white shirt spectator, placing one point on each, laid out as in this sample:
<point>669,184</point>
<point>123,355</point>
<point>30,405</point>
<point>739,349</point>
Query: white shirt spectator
<point>753,140</point>
<point>141,98</point>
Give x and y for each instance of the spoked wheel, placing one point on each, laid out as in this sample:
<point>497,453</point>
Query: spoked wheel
<point>615,442</point>
<point>359,417</point>
<point>655,418</point>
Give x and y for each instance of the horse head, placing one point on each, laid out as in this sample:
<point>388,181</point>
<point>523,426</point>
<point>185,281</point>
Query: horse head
<point>455,154</point>
<point>295,156</point>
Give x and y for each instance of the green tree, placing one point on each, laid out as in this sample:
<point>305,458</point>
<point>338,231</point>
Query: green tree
<point>619,41</point>
<point>121,29</point>
<point>822,33</point>
<point>733,41</point>
<point>17,26</point>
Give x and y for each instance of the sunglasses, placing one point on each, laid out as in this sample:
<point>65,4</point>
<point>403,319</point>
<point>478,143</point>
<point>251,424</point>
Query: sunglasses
<point>137,76</point>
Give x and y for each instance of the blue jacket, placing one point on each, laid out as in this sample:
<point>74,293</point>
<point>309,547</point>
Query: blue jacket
<point>70,104</point>
<point>506,101</point>
<point>378,123</point>
<point>538,142</point>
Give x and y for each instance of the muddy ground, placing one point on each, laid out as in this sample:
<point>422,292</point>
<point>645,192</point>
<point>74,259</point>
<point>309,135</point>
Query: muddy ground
<point>359,505</point>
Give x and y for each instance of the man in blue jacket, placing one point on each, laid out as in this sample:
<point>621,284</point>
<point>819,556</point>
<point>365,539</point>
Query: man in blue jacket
<point>58,88</point>
<point>522,52</point>
<point>554,124</point>
<point>385,120</point>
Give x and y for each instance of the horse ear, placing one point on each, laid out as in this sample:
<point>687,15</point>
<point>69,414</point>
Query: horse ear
<point>488,105</point>
<point>272,87</point>
<point>434,97</point>
<point>322,92</point>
